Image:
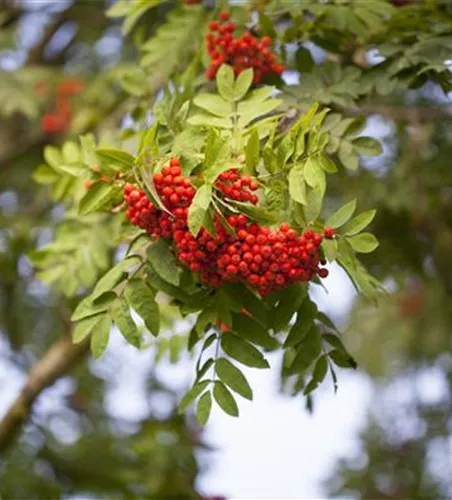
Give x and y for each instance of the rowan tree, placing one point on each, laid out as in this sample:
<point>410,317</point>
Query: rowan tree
<point>208,175</point>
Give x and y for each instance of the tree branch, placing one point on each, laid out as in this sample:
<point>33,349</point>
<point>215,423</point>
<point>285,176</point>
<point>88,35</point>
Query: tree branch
<point>415,114</point>
<point>57,361</point>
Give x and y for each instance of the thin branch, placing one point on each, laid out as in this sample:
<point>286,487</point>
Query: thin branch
<point>57,361</point>
<point>415,114</point>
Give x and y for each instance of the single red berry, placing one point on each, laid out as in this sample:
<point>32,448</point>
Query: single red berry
<point>224,16</point>
<point>329,232</point>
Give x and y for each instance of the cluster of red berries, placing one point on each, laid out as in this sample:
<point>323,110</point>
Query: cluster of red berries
<point>264,259</point>
<point>241,53</point>
<point>58,120</point>
<point>237,187</point>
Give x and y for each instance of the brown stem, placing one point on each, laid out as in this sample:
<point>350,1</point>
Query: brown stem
<point>57,361</point>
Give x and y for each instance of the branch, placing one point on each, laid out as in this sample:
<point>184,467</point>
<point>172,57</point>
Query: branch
<point>58,361</point>
<point>415,114</point>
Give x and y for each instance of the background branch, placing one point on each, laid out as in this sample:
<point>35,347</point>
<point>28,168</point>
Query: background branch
<point>57,361</point>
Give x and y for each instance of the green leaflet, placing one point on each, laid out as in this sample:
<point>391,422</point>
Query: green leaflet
<point>318,375</point>
<point>204,407</point>
<point>363,243</point>
<point>225,399</point>
<point>341,216</point>
<point>305,319</point>
<point>163,261</point>
<point>233,378</point>
<point>89,307</point>
<point>225,82</point>
<point>114,276</point>
<point>342,358</point>
<point>214,104</point>
<point>242,351</point>
<point>307,351</point>
<point>242,84</point>
<point>100,336</point>
<point>252,151</point>
<point>358,223</point>
<point>288,304</point>
<point>297,185</point>
<point>116,159</point>
<point>141,298</point>
<point>367,146</point>
<point>198,208</point>
<point>313,172</point>
<point>98,196</point>
<point>120,313</point>
<point>192,394</point>
<point>84,327</point>
<point>251,330</point>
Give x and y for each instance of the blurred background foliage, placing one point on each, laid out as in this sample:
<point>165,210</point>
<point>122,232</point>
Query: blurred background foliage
<point>75,444</point>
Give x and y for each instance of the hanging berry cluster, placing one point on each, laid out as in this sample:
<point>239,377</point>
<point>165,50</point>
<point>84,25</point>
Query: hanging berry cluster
<point>262,258</point>
<point>58,120</point>
<point>241,53</point>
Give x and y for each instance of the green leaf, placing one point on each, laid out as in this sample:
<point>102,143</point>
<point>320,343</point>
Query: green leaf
<point>367,146</point>
<point>89,307</point>
<point>307,351</point>
<point>120,313</point>
<point>114,276</point>
<point>313,172</point>
<point>323,318</point>
<point>252,150</point>
<point>341,216</point>
<point>44,174</point>
<point>97,197</point>
<point>204,368</point>
<point>122,159</point>
<point>213,104</point>
<point>242,84</point>
<point>318,375</point>
<point>314,201</point>
<point>84,327</point>
<point>233,378</point>
<point>192,394</point>
<point>334,341</point>
<point>100,336</point>
<point>141,298</point>
<point>291,299</point>
<point>225,82</point>
<point>305,319</point>
<point>251,330</point>
<point>198,208</point>
<point>242,351</point>
<point>358,223</point>
<point>297,186</point>
<point>163,261</point>
<point>52,156</point>
<point>347,156</point>
<point>342,359</point>
<point>327,164</point>
<point>330,249</point>
<point>363,243</point>
<point>203,409</point>
<point>225,399</point>
<point>304,60</point>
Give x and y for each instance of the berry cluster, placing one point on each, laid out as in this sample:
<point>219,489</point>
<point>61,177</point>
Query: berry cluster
<point>58,120</point>
<point>241,53</point>
<point>237,187</point>
<point>265,260</point>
